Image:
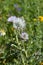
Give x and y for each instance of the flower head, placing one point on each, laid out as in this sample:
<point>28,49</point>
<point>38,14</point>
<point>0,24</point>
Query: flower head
<point>12,18</point>
<point>17,7</point>
<point>34,19</point>
<point>2,33</point>
<point>41,18</point>
<point>18,22</point>
<point>24,36</point>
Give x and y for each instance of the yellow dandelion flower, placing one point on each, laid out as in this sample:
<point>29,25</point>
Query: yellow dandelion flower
<point>40,18</point>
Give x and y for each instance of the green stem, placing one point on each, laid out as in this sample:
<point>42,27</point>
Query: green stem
<point>19,48</point>
<point>22,59</point>
<point>16,38</point>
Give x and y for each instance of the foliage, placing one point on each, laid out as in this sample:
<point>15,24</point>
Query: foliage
<point>13,50</point>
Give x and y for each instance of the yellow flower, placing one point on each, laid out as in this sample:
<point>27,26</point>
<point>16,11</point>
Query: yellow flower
<point>40,18</point>
<point>2,32</point>
<point>34,19</point>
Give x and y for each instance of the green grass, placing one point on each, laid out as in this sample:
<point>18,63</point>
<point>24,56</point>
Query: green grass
<point>25,53</point>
